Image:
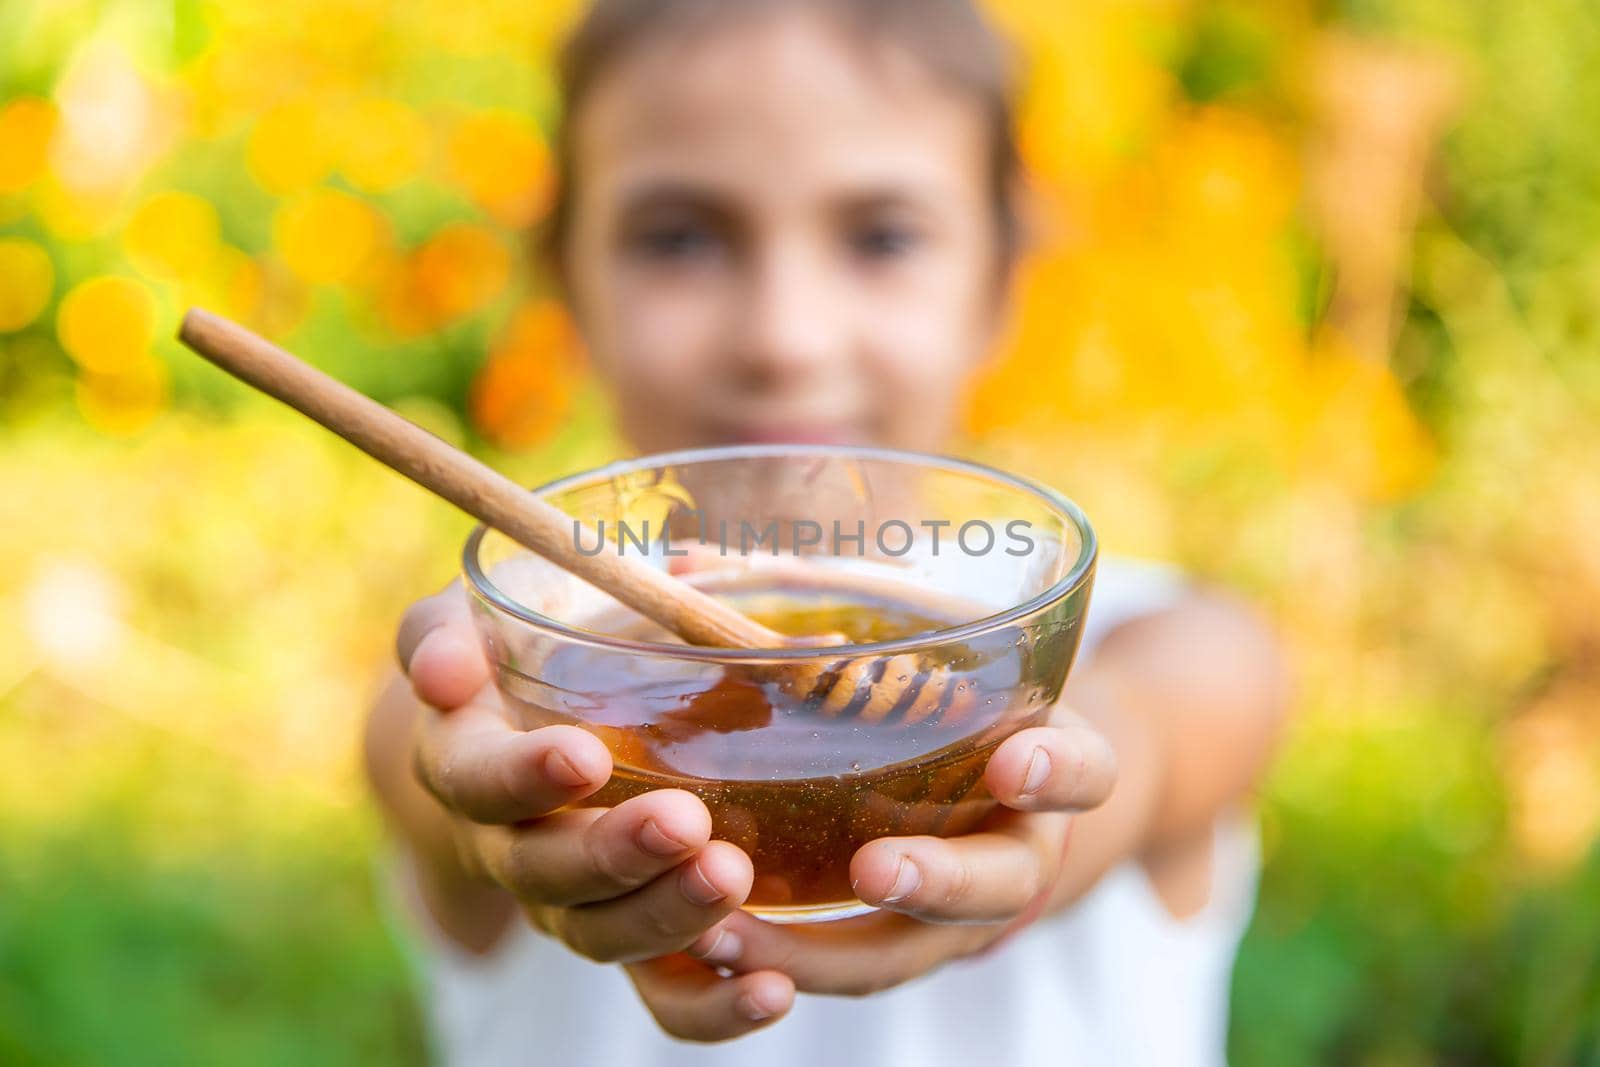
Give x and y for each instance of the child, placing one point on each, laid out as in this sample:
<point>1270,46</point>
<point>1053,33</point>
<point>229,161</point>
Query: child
<point>794,220</point>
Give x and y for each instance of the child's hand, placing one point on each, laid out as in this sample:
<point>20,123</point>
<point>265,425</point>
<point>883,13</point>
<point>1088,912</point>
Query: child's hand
<point>589,877</point>
<point>943,898</point>
<point>630,883</point>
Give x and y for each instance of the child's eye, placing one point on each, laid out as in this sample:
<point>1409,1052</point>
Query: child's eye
<point>883,241</point>
<point>674,242</point>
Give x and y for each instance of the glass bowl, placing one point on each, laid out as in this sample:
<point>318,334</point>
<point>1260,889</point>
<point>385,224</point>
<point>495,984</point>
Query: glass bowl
<point>961,590</point>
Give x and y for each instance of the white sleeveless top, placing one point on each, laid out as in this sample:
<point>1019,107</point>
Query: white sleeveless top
<point>1113,981</point>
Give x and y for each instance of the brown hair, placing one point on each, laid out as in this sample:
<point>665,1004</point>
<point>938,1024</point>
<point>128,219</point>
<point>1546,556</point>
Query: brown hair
<point>950,36</point>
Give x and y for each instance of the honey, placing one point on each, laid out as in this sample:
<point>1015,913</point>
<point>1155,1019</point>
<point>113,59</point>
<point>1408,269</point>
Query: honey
<point>796,789</point>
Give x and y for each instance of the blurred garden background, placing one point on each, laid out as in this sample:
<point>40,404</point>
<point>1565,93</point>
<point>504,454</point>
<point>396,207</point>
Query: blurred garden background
<point>1314,309</point>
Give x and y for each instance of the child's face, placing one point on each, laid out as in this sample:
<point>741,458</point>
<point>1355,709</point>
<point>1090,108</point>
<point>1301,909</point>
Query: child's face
<point>781,234</point>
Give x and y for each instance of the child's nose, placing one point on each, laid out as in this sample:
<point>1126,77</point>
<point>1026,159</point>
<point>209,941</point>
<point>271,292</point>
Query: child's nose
<point>791,319</point>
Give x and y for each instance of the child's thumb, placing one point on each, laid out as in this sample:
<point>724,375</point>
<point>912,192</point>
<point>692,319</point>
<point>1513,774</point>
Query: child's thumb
<point>439,650</point>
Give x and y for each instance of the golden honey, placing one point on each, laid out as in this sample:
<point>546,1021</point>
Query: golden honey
<point>799,790</point>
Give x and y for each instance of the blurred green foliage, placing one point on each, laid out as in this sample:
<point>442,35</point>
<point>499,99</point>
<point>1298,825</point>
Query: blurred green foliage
<point>1445,941</point>
<point>112,959</point>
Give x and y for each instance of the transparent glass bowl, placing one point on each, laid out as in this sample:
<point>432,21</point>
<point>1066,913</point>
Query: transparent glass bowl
<point>994,571</point>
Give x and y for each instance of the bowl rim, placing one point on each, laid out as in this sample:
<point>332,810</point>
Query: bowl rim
<point>482,587</point>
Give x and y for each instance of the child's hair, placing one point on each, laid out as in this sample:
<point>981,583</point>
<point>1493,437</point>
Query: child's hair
<point>950,37</point>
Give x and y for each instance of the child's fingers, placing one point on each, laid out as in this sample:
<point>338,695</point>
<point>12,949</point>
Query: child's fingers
<point>692,1002</point>
<point>982,877</point>
<point>849,957</point>
<point>1067,767</point>
<point>592,854</point>
<point>481,767</point>
<point>663,916</point>
<point>440,652</point>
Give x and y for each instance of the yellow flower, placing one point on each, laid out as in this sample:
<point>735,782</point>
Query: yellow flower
<point>525,389</point>
<point>172,235</point>
<point>233,285</point>
<point>1363,434</point>
<point>126,401</point>
<point>381,144</point>
<point>455,272</point>
<point>288,148</point>
<point>106,324</point>
<point>461,268</point>
<point>26,279</point>
<point>325,237</point>
<point>1229,173</point>
<point>500,162</point>
<point>1095,87</point>
<point>26,126</point>
<point>77,214</point>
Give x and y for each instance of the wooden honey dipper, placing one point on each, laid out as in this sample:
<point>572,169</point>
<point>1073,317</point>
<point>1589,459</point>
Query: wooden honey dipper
<point>875,687</point>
